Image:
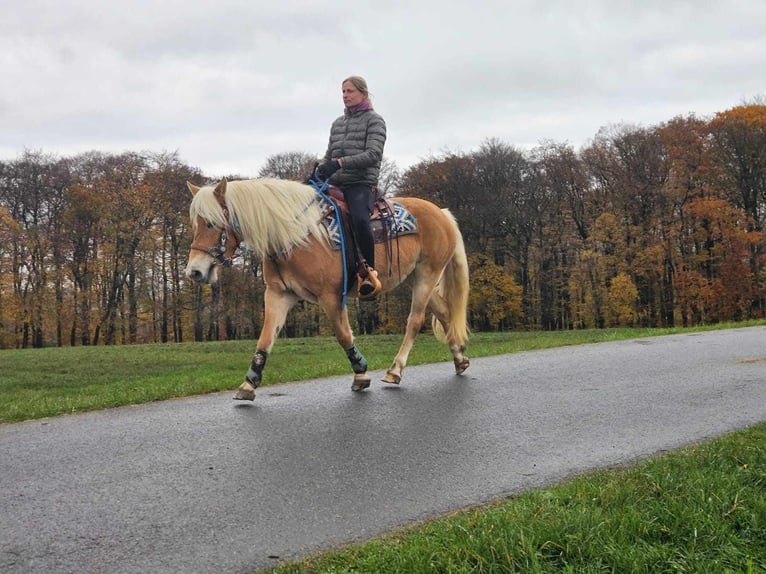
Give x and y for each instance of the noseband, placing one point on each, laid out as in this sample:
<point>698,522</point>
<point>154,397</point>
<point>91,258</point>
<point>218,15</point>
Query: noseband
<point>218,251</point>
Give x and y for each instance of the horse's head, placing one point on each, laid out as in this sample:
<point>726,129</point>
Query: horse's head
<point>215,241</point>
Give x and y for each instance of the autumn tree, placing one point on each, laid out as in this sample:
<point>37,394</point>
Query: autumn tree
<point>568,180</point>
<point>82,229</point>
<point>448,182</point>
<point>170,199</point>
<point>645,225</point>
<point>9,229</point>
<point>630,167</point>
<point>621,302</point>
<point>739,145</point>
<point>495,300</point>
<point>503,202</point>
<point>563,220</point>
<point>27,195</point>
<point>720,238</point>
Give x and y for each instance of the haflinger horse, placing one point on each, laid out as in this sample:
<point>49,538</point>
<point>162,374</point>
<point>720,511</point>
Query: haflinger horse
<point>280,221</point>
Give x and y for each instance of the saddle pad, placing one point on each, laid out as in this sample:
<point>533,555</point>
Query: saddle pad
<point>402,223</point>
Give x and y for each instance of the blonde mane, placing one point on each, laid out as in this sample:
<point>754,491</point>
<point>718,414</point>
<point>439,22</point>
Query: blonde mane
<point>273,216</point>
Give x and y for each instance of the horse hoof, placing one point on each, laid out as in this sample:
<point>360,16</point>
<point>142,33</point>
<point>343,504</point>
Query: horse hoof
<point>391,378</point>
<point>245,392</point>
<point>461,366</point>
<point>361,382</point>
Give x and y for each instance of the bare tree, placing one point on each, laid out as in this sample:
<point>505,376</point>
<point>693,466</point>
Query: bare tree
<point>294,165</point>
<point>390,178</point>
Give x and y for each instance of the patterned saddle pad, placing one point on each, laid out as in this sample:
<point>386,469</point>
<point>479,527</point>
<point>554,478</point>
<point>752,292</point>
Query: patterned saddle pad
<point>402,222</point>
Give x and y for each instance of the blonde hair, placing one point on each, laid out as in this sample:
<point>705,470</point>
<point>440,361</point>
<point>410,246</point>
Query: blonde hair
<point>359,83</point>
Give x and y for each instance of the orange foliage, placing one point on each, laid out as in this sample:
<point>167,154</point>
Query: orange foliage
<point>723,246</point>
<point>623,297</point>
<point>693,297</point>
<point>495,298</point>
<point>752,116</point>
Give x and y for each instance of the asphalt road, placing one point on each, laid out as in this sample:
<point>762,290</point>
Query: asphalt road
<point>207,484</point>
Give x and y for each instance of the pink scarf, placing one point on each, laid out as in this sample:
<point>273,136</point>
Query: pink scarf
<point>364,106</point>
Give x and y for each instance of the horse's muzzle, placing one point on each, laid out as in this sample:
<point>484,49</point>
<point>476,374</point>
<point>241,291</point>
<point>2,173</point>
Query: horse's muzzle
<point>196,275</point>
<point>199,274</point>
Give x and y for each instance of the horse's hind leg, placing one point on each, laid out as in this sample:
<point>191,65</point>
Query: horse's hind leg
<point>276,306</point>
<point>457,348</point>
<point>421,292</point>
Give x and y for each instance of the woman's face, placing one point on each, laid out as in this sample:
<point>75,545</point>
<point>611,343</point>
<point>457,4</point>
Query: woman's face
<point>351,96</point>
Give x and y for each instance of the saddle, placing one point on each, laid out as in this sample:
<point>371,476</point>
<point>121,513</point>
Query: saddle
<point>382,225</point>
<point>381,219</point>
<point>389,220</point>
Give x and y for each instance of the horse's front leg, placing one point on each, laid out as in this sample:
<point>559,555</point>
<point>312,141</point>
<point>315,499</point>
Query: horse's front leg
<point>277,303</point>
<point>359,366</point>
<point>342,329</point>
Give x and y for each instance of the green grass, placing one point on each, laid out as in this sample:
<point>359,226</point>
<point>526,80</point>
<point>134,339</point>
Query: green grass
<point>37,383</point>
<point>701,510</point>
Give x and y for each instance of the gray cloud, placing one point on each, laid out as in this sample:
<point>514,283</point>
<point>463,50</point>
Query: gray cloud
<point>229,85</point>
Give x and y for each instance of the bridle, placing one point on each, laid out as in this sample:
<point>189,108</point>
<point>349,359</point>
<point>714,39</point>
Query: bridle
<point>218,251</point>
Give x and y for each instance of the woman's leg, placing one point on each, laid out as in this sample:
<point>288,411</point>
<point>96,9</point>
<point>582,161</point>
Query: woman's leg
<point>360,203</point>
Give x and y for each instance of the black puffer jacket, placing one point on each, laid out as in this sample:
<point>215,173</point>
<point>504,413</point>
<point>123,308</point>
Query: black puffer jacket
<point>357,139</point>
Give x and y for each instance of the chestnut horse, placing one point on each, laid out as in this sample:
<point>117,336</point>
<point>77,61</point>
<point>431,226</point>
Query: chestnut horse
<point>280,221</point>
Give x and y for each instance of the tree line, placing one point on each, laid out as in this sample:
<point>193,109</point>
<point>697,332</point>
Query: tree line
<point>643,226</point>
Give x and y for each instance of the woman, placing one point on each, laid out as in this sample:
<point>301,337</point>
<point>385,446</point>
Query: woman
<point>352,163</point>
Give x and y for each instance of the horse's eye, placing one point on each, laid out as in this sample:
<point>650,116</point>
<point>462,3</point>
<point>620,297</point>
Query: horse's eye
<point>210,225</point>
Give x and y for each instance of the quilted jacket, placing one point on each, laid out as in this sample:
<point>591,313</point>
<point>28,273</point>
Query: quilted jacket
<point>357,139</point>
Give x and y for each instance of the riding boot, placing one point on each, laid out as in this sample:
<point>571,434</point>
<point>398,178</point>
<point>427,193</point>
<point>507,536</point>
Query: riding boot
<point>369,284</point>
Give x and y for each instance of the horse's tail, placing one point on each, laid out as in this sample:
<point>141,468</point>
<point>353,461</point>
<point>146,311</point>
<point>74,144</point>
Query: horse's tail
<point>453,288</point>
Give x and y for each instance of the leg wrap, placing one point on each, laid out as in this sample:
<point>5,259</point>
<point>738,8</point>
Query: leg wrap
<point>255,372</point>
<point>358,362</point>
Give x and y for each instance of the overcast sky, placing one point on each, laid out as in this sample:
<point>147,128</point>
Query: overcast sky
<point>228,83</point>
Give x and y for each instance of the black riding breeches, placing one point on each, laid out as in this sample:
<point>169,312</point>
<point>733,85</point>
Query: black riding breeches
<point>360,201</point>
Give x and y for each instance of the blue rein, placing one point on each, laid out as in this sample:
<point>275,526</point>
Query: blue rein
<point>321,188</point>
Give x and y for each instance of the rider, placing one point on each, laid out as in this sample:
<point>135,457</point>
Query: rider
<point>352,163</point>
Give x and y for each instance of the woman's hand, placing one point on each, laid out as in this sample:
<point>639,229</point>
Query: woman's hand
<point>328,168</point>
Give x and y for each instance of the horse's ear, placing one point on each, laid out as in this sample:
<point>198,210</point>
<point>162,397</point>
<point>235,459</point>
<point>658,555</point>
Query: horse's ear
<point>193,188</point>
<point>220,191</point>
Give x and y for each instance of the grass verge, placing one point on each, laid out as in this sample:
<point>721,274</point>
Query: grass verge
<point>701,509</point>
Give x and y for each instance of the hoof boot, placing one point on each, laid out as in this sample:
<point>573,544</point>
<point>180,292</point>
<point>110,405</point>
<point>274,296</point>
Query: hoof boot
<point>361,382</point>
<point>245,392</point>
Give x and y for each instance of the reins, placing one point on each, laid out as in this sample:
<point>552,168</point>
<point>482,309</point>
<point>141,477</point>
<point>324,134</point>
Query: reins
<point>321,188</point>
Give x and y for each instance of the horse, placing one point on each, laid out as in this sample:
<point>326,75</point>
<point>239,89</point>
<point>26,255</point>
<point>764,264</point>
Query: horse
<point>281,223</point>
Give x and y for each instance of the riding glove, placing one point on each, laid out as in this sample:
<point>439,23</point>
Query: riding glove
<point>328,168</point>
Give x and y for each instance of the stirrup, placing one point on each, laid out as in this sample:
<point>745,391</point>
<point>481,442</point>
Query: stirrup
<point>369,286</point>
